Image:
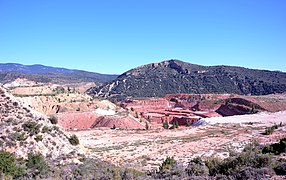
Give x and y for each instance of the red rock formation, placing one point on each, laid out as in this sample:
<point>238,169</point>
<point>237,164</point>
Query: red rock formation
<point>77,120</point>
<point>86,120</point>
<point>120,122</point>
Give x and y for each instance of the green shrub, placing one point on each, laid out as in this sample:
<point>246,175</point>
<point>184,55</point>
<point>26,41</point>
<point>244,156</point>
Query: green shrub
<point>19,136</point>
<point>31,127</point>
<point>280,168</point>
<point>248,162</point>
<point>168,164</point>
<point>213,165</point>
<point>188,124</point>
<point>146,126</point>
<point>166,125</point>
<point>53,119</point>
<point>55,128</point>
<point>74,140</point>
<point>9,166</point>
<point>197,167</point>
<point>46,129</point>
<point>253,173</point>
<point>114,126</point>
<point>276,148</point>
<point>36,164</point>
<point>136,115</point>
<point>177,124</point>
<point>39,138</point>
<point>270,130</point>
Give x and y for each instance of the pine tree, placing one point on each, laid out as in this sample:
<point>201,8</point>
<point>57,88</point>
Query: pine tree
<point>146,126</point>
<point>177,124</point>
<point>166,125</point>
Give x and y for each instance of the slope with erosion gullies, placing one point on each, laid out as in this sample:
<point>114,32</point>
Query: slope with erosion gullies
<point>39,73</point>
<point>24,131</point>
<point>174,76</point>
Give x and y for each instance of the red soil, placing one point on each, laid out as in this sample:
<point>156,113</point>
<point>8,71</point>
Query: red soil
<point>77,120</point>
<point>119,122</point>
<point>191,107</point>
<point>181,108</point>
<point>86,120</point>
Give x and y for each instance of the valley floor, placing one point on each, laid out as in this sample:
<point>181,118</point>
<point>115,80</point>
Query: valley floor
<point>147,149</point>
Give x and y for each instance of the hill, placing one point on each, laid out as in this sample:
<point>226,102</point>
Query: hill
<point>33,146</point>
<point>39,73</point>
<point>27,131</point>
<point>174,76</point>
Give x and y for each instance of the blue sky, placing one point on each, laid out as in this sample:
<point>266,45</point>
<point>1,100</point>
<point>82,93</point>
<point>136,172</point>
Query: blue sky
<point>112,36</point>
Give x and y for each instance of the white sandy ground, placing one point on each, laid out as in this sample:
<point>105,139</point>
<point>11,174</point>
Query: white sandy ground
<point>146,150</point>
<point>265,117</point>
<point>105,112</point>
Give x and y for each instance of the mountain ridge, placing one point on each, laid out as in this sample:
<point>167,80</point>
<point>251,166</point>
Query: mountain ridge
<point>175,76</point>
<point>41,73</point>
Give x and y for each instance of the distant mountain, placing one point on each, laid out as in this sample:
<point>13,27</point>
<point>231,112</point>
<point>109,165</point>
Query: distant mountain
<point>40,73</point>
<point>174,76</point>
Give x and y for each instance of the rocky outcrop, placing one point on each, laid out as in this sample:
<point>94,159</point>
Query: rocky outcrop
<point>189,108</point>
<point>238,106</point>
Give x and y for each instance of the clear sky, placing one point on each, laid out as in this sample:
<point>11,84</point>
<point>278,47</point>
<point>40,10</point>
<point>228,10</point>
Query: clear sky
<point>112,36</point>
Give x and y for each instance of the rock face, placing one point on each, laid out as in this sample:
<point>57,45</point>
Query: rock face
<point>181,109</point>
<point>173,76</point>
<point>238,106</point>
<point>24,131</point>
<point>188,108</point>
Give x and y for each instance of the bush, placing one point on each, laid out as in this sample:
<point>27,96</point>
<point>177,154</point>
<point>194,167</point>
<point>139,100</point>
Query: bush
<point>146,126</point>
<point>280,169</point>
<point>31,127</point>
<point>46,129</point>
<point>167,165</point>
<point>53,119</point>
<point>197,167</point>
<point>253,173</point>
<point>39,138</point>
<point>114,126</point>
<point>213,165</point>
<point>166,125</point>
<point>8,165</point>
<point>270,130</point>
<point>74,140</point>
<point>188,124</point>
<point>136,115</point>
<point>276,148</point>
<point>19,136</point>
<point>36,164</point>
